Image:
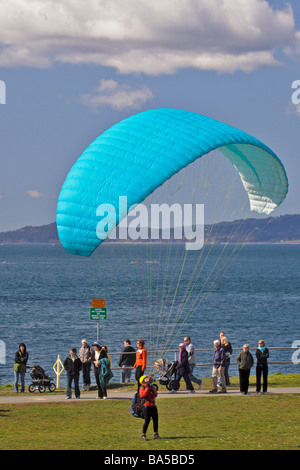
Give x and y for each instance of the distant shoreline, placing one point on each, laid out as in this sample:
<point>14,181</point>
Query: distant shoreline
<point>136,242</point>
<point>281,230</point>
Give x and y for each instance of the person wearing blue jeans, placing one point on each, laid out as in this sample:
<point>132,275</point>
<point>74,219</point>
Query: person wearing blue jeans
<point>19,375</point>
<point>21,358</point>
<point>72,365</point>
<point>225,344</point>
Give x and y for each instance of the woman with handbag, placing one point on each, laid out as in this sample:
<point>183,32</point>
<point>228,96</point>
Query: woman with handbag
<point>21,358</point>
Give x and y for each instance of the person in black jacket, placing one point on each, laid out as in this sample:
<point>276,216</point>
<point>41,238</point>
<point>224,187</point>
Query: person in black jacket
<point>262,354</point>
<point>72,365</point>
<point>245,362</point>
<point>225,344</point>
<point>127,360</point>
<point>21,358</point>
<point>182,370</point>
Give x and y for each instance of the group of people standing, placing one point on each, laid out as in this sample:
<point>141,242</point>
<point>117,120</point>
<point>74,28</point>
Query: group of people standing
<point>245,361</point>
<point>97,356</point>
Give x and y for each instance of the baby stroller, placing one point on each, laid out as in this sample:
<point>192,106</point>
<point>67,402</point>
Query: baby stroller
<point>166,372</point>
<point>40,380</point>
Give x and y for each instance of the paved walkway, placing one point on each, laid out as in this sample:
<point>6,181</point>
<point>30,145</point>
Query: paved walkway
<point>48,397</point>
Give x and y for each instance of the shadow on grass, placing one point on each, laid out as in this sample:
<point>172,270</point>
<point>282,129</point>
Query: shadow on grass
<point>173,438</point>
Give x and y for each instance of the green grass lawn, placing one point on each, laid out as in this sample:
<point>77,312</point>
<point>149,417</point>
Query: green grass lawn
<point>239,422</point>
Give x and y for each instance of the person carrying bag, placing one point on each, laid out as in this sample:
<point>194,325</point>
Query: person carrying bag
<point>21,358</point>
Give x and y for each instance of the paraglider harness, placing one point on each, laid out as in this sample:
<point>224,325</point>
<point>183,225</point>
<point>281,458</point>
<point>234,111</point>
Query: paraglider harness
<point>137,406</point>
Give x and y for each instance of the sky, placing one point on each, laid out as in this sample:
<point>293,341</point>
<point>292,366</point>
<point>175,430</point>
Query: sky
<point>71,69</point>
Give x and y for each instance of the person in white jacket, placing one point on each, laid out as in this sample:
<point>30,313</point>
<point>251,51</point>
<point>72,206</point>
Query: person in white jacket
<point>192,360</point>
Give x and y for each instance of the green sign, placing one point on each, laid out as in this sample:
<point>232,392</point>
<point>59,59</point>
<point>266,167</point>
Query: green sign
<point>97,313</point>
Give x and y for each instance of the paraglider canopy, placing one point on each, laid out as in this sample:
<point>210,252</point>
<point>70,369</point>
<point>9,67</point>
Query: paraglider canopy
<point>137,155</point>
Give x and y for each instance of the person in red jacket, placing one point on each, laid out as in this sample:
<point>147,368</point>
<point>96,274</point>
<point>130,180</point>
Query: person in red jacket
<point>140,362</point>
<point>148,394</point>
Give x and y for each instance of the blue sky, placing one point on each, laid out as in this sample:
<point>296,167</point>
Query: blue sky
<point>73,69</point>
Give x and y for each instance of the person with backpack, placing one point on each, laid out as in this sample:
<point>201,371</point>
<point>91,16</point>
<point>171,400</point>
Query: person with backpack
<point>148,394</point>
<point>73,365</point>
<point>21,358</point>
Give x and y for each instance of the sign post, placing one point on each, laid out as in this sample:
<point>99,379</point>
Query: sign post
<point>98,312</point>
<point>58,368</point>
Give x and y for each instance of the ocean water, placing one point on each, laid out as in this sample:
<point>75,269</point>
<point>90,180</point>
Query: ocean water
<point>157,292</point>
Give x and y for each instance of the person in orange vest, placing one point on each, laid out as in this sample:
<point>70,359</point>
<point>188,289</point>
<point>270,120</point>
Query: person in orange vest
<point>140,362</point>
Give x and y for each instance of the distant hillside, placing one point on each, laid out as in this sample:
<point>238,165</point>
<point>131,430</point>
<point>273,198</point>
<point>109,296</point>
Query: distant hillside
<point>42,234</point>
<point>283,229</point>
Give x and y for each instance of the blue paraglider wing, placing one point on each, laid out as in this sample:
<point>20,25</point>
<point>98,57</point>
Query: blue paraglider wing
<point>137,155</point>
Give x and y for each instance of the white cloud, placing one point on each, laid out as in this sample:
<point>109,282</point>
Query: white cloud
<point>298,41</point>
<point>293,109</point>
<point>138,36</point>
<point>111,93</point>
<point>294,49</point>
<point>34,194</point>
